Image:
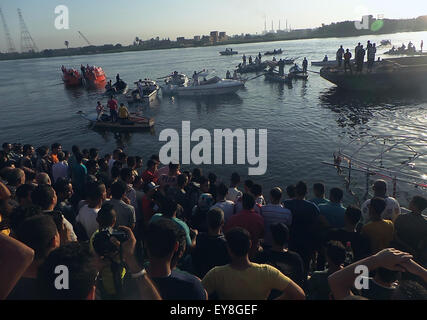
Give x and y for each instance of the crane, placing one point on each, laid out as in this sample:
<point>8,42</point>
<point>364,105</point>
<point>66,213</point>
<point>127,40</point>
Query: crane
<point>82,35</point>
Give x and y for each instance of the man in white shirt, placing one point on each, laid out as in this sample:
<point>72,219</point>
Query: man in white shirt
<point>60,169</point>
<point>392,210</point>
<point>234,193</point>
<point>96,194</point>
<point>227,206</point>
<point>274,213</point>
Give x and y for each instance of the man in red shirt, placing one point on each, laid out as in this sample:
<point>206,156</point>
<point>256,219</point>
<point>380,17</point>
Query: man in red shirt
<point>147,203</point>
<point>250,220</point>
<point>113,106</point>
<point>149,174</point>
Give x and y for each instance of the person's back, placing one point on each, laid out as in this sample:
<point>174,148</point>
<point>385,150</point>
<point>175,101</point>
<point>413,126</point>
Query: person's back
<point>334,211</point>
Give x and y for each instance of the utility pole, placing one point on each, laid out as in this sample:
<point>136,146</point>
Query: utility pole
<point>10,44</point>
<point>27,42</point>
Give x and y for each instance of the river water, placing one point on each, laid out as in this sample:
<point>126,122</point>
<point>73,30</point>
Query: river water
<point>306,123</point>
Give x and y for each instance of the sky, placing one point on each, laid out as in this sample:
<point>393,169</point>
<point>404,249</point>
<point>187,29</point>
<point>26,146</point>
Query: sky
<point>120,21</point>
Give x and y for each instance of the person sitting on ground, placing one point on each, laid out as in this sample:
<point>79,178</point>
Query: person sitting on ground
<point>245,280</point>
<point>273,213</point>
<point>279,256</point>
<point>165,245</point>
<point>319,194</point>
<point>392,209</point>
<point>234,193</point>
<point>40,234</point>
<point>342,282</point>
<point>334,210</point>
<point>378,231</point>
<point>125,213</point>
<point>318,286</point>
<point>96,195</point>
<point>222,203</point>
<point>211,249</point>
<point>411,230</point>
<point>250,220</point>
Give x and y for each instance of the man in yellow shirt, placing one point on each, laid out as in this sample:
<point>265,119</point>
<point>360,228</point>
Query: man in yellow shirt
<point>244,280</point>
<point>123,113</point>
<point>378,231</point>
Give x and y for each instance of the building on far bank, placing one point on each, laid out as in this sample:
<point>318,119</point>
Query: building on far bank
<point>214,36</point>
<point>196,38</point>
<point>223,36</point>
<point>180,39</point>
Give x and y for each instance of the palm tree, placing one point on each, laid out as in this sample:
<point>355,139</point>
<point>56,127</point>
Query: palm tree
<point>66,43</point>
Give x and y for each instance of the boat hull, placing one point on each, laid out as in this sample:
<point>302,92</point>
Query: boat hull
<point>277,78</point>
<point>224,87</point>
<point>138,123</point>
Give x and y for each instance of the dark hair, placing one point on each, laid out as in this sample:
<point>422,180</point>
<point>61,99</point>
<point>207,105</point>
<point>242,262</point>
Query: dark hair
<point>301,189</point>
<point>280,233</point>
<point>386,275</point>
<point>61,185</point>
<point>235,178</point>
<point>197,173</point>
<point>256,189</point>
<point>93,153</point>
<point>21,213</point>
<point>75,149</point>
<point>55,145</point>
<point>150,163</point>
<point>126,173</point>
<point>215,218</point>
<point>353,214</point>
<point>14,176</point>
<point>37,232</point>
<point>115,172</point>
<point>131,161</point>
<point>106,216</point>
<point>91,164</point>
<point>61,156</point>
<point>378,205</point>
<point>43,196</point>
<point>180,181</point>
<point>169,207</point>
<point>249,183</point>
<point>221,190</point>
<point>319,189</point>
<point>420,203</point>
<point>173,166</point>
<point>95,190</point>
<point>203,180</point>
<point>212,177</point>
<point>336,195</point>
<point>82,272</point>
<point>122,156</point>
<point>24,190</point>
<point>336,252</point>
<point>291,191</point>
<point>276,194</point>
<point>238,241</point>
<point>161,237</point>
<point>155,157</point>
<point>248,201</point>
<point>26,148</point>
<point>118,189</point>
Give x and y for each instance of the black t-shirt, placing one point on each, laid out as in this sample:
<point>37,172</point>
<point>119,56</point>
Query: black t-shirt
<point>180,286</point>
<point>25,289</point>
<point>377,292</point>
<point>359,243</point>
<point>411,229</point>
<point>289,263</point>
<point>318,286</point>
<point>210,251</point>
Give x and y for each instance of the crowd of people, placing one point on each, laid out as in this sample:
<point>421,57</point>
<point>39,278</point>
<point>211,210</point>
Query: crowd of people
<point>128,230</point>
<point>359,57</point>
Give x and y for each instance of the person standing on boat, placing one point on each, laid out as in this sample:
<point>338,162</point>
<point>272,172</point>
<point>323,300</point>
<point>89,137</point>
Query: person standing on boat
<point>422,45</point>
<point>244,60</point>
<point>360,58</point>
<point>113,106</point>
<point>83,70</point>
<point>325,59</point>
<point>340,54</point>
<point>228,75</point>
<point>304,65</point>
<point>235,77</point>
<point>347,61</point>
<point>196,78</point>
<point>259,57</point>
<point>281,67</point>
<point>99,110</point>
<point>356,50</point>
<point>250,59</point>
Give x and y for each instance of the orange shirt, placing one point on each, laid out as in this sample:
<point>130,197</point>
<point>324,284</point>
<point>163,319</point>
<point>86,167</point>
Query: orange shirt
<point>54,158</point>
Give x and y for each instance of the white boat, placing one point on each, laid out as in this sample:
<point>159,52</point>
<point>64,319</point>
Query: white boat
<point>149,95</point>
<point>213,86</point>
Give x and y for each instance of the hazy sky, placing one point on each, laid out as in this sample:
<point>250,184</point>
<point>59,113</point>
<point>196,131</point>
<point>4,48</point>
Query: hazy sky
<point>119,21</point>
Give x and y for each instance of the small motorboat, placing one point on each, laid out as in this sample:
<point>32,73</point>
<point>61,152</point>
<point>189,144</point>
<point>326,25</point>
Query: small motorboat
<point>272,53</point>
<point>94,77</point>
<point>385,43</point>
<point>297,73</point>
<point>289,61</point>
<point>118,88</point>
<point>228,52</point>
<point>274,76</point>
<point>135,122</point>
<point>253,67</point>
<point>213,86</point>
<point>71,77</point>
<point>149,89</point>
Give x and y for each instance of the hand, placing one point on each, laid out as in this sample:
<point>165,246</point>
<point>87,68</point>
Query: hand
<point>392,259</point>
<point>414,268</point>
<point>125,199</point>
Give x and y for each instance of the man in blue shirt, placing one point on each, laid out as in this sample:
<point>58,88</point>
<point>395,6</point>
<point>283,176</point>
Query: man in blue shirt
<point>319,194</point>
<point>334,210</point>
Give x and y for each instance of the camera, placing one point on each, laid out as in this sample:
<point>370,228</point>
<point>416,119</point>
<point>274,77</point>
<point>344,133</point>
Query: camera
<point>102,241</point>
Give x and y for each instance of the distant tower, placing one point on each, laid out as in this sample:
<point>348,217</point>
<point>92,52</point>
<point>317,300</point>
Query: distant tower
<point>10,44</point>
<point>272,28</point>
<point>265,24</point>
<point>287,25</point>
<point>27,42</point>
<point>279,25</point>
